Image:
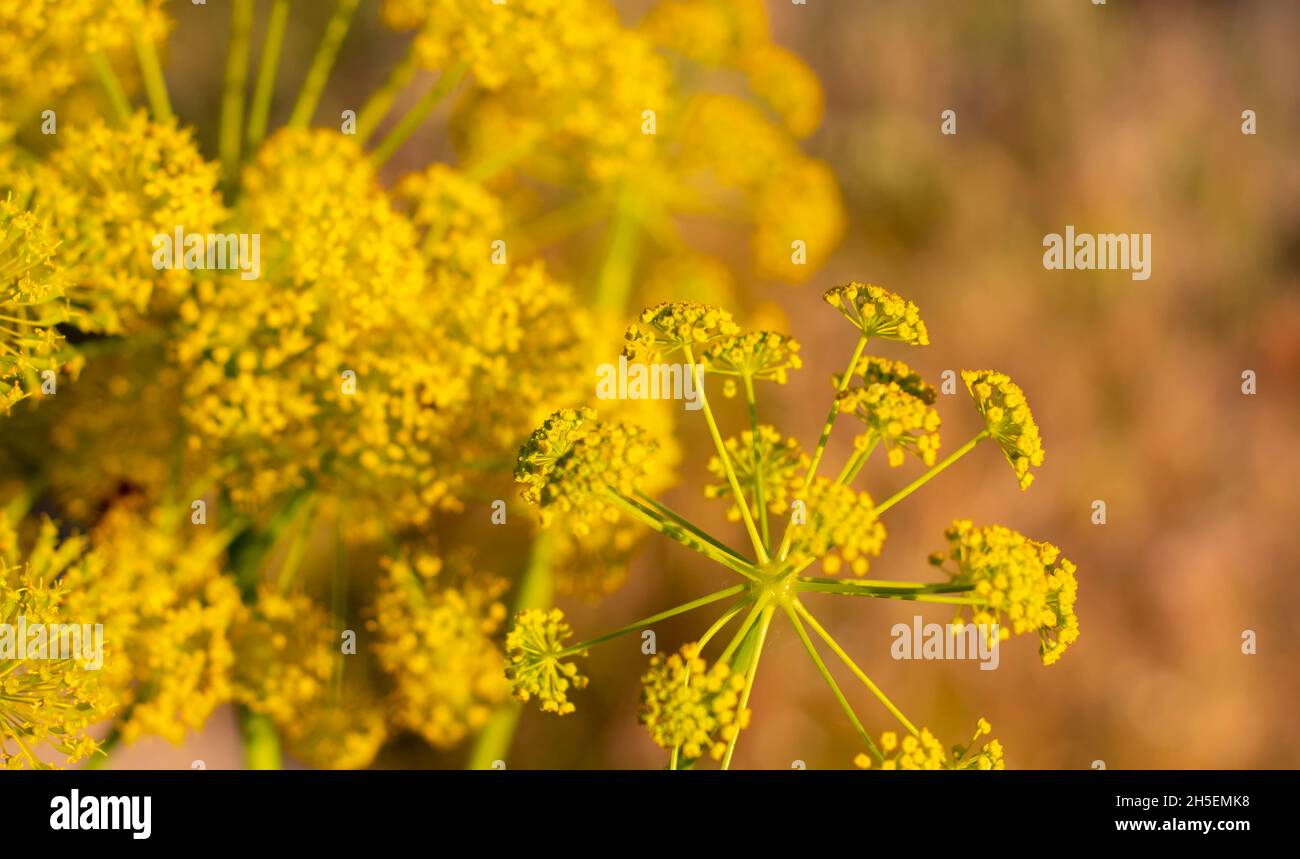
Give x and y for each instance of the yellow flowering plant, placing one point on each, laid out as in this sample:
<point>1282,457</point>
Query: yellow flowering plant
<point>258,462</point>
<point>693,706</point>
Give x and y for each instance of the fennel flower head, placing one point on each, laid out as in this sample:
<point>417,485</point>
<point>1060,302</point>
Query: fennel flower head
<point>46,46</point>
<point>167,611</point>
<point>536,665</point>
<point>574,459</point>
<point>793,518</point>
<point>108,191</point>
<point>31,302</point>
<point>879,313</point>
<point>897,407</point>
<point>1026,585</point>
<point>46,705</point>
<point>327,369</point>
<point>687,704</point>
<point>923,751</point>
<point>285,654</point>
<point>436,623</point>
<point>1009,420</point>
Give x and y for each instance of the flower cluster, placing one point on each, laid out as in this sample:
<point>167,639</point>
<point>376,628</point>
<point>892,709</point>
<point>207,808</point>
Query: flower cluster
<point>924,752</point>
<point>771,463</point>
<point>436,641</point>
<point>688,705</point>
<point>535,655</point>
<point>678,327</point>
<point>1024,585</point>
<point>31,289</point>
<point>766,355</point>
<point>106,192</point>
<point>1009,421</point>
<point>897,408</point>
<point>167,612</point>
<point>692,706</point>
<point>879,313</point>
<point>49,702</point>
<point>841,527</point>
<point>574,461</point>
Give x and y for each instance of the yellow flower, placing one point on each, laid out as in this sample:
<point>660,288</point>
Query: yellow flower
<point>535,650</point>
<point>925,752</point>
<point>46,46</point>
<point>44,702</point>
<point>841,527</point>
<point>755,355</point>
<point>798,204</point>
<point>107,192</point>
<point>788,85</point>
<point>687,704</point>
<point>287,651</point>
<point>112,433</point>
<point>897,407</point>
<point>781,463</point>
<point>1009,421</point>
<point>666,329</point>
<point>343,732</point>
<point>458,217</point>
<point>167,610</point>
<point>332,367</point>
<point>593,564</point>
<point>435,631</point>
<point>31,292</point>
<point>573,461</point>
<point>1023,585</point>
<point>879,313</point>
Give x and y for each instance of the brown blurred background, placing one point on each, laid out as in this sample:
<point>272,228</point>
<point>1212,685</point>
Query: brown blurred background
<point>1124,117</point>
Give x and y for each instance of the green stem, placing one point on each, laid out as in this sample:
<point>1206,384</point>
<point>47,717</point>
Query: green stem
<point>536,590</point>
<point>853,666</point>
<point>267,69</point>
<point>759,501</point>
<point>834,412</point>
<point>741,503</point>
<point>754,613</point>
<point>764,622</point>
<point>232,99</point>
<point>663,615</point>
<point>614,282</point>
<point>721,622</point>
<point>155,84</point>
<point>648,518</point>
<point>830,681</point>
<point>261,742</point>
<point>855,463</point>
<point>899,590</point>
<point>322,63</point>
<point>689,526</point>
<point>112,86</point>
<point>929,475</point>
<point>418,113</point>
<point>381,101</point>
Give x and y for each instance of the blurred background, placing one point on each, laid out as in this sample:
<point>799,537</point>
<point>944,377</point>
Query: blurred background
<point>1123,117</point>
